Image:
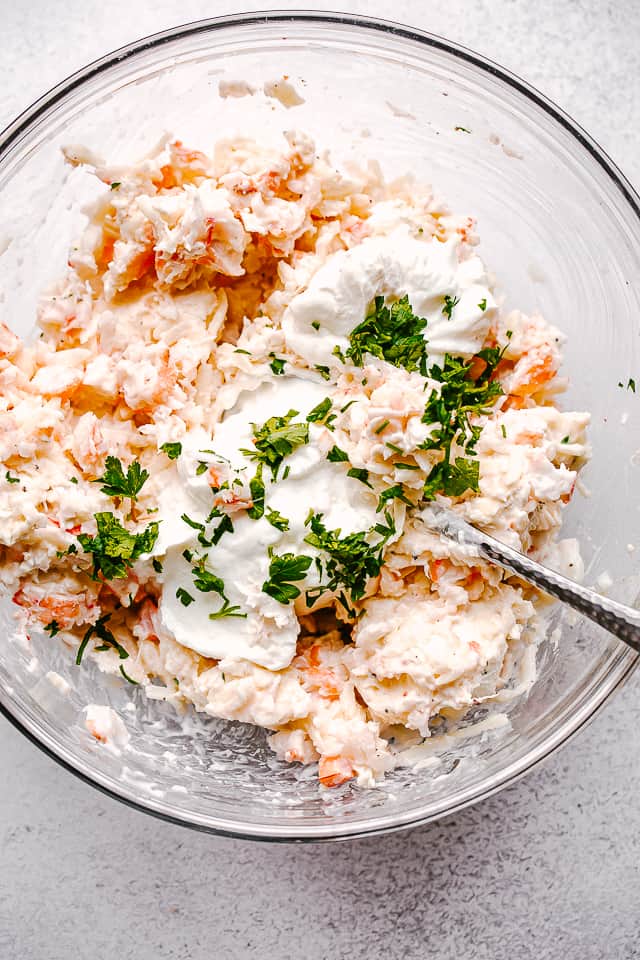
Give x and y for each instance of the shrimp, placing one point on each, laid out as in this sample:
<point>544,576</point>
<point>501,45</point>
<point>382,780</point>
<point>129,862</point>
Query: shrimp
<point>334,771</point>
<point>65,609</point>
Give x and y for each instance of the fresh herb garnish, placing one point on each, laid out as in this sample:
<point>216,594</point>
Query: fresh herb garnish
<point>337,352</point>
<point>350,561</point>
<point>277,365</point>
<point>462,129</point>
<point>631,385</point>
<point>201,468</point>
<point>240,350</point>
<point>225,526</point>
<point>565,440</point>
<point>105,635</point>
<point>284,570</point>
<point>11,479</point>
<point>65,553</point>
<point>324,372</point>
<point>185,598</point>
<point>449,304</point>
<point>406,466</point>
<point>156,564</point>
<point>115,184</point>
<point>172,450</point>
<point>320,414</point>
<point>483,304</point>
<point>315,324</point>
<point>52,628</point>
<point>392,333</point>
<point>504,430</point>
<point>275,518</point>
<point>124,673</point>
<point>276,439</point>
<point>359,473</point>
<point>115,483</point>
<point>383,426</point>
<point>395,492</point>
<point>204,580</point>
<point>114,549</point>
<point>227,610</point>
<point>461,395</point>
<point>257,490</point>
<point>394,447</point>
<point>336,455</point>
<point>73,479</point>
<point>347,405</point>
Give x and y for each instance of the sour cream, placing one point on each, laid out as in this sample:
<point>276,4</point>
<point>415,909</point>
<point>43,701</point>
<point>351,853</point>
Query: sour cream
<point>339,294</point>
<point>265,633</point>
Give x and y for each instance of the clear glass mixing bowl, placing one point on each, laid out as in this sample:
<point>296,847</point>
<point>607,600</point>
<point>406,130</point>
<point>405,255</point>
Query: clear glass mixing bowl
<point>559,225</point>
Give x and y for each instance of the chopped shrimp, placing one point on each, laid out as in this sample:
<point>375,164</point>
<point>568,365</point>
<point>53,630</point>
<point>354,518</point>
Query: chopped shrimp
<point>63,608</point>
<point>334,771</point>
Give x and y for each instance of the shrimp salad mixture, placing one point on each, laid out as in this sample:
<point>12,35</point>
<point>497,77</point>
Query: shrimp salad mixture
<point>256,374</point>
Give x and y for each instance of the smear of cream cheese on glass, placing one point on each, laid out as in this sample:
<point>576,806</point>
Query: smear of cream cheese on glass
<point>340,292</point>
<point>267,635</point>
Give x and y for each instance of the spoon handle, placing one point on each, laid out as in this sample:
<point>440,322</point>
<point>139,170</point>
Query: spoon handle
<point>617,618</point>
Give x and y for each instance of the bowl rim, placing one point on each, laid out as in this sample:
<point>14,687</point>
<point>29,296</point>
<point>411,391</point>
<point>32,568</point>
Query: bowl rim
<point>625,659</point>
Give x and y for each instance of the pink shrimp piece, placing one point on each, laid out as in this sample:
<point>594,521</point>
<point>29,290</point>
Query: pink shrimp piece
<point>334,771</point>
<point>62,608</point>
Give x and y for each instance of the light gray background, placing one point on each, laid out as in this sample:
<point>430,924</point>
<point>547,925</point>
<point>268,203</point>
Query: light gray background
<point>547,869</point>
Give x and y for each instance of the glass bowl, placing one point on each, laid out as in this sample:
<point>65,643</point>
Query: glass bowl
<point>560,226</point>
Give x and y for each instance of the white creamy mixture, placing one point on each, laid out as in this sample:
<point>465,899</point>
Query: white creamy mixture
<point>254,377</point>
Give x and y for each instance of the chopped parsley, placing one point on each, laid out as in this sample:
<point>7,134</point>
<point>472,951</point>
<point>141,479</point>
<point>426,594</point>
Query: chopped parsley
<point>392,333</point>
<point>275,518</point>
<point>99,630</point>
<point>228,610</point>
<point>315,324</point>
<point>73,479</point>
<point>115,549</point>
<point>116,483</point>
<point>52,628</point>
<point>449,304</point>
<point>284,570</point>
<point>504,431</point>
<point>394,447</point>
<point>276,439</point>
<point>185,598</point>
<point>347,405</point>
<point>204,580</point>
<point>172,450</point>
<point>115,184</point>
<point>406,466</point>
<point>337,352</point>
<point>127,677</point>
<point>257,490</point>
<point>350,561</point>
<point>157,566</point>
<point>483,304</point>
<point>565,440</point>
<point>383,426</point>
<point>11,479</point>
<point>323,371</point>
<point>359,473</point>
<point>460,396</point>
<point>65,553</point>
<point>395,492</point>
<point>321,414</point>
<point>277,365</point>
<point>462,129</point>
<point>247,353</point>
<point>631,385</point>
<point>336,455</point>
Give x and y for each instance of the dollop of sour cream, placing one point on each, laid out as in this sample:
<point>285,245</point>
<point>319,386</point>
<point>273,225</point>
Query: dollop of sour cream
<point>267,630</point>
<point>340,292</point>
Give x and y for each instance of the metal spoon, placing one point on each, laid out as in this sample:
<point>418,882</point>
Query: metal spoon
<point>617,618</point>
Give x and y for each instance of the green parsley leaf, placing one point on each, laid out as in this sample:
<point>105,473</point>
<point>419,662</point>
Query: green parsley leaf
<point>11,479</point>
<point>336,455</point>
<point>65,553</point>
<point>406,466</point>
<point>392,333</point>
<point>201,468</point>
<point>114,549</point>
<point>359,473</point>
<point>631,385</point>
<point>337,352</point>
<point>449,304</point>
<point>347,405</point>
<point>227,610</point>
<point>320,414</point>
<point>156,564</point>
<point>240,350</point>
<point>73,479</point>
<point>277,520</point>
<point>284,570</point>
<point>257,489</point>
<point>394,447</point>
<point>225,526</point>
<point>115,483</point>
<point>277,365</point>
<point>350,562</point>
<point>115,184</point>
<point>462,129</point>
<point>105,635</point>
<point>395,492</point>
<point>184,597</point>
<point>127,677</point>
<point>324,372</point>
<point>504,430</point>
<point>172,450</point>
<point>565,439</point>
<point>204,580</point>
<point>383,426</point>
<point>52,628</point>
<point>276,439</point>
<point>483,304</point>
<point>315,324</point>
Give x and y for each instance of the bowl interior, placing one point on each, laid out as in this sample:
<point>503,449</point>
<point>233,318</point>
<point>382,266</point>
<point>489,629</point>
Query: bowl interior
<point>559,228</point>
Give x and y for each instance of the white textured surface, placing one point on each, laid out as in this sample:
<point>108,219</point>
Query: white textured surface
<point>549,868</point>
